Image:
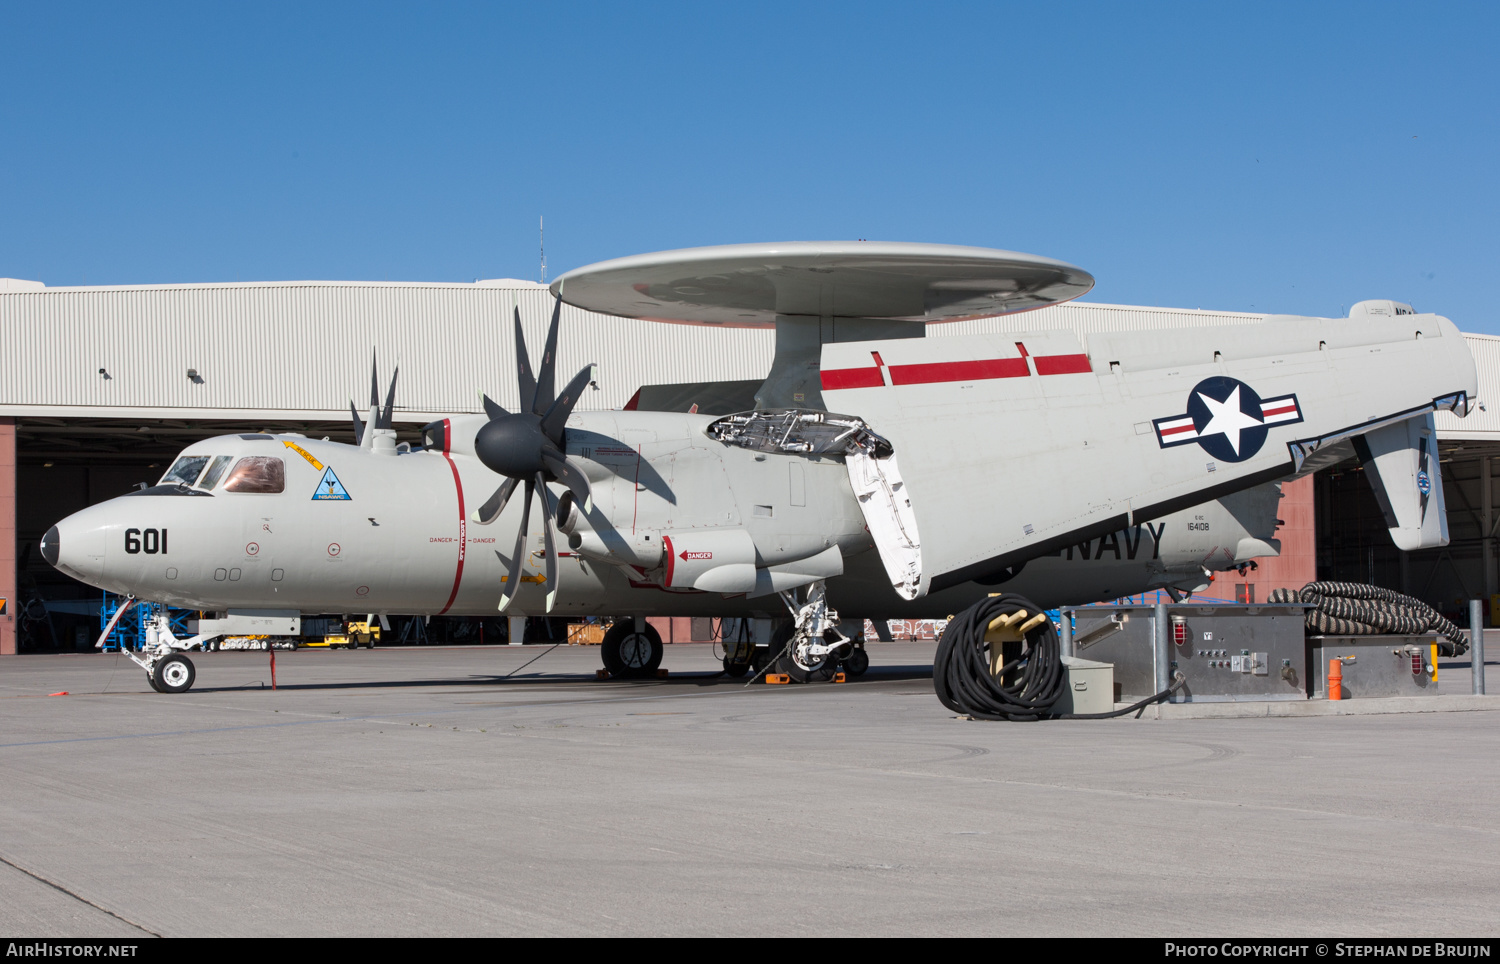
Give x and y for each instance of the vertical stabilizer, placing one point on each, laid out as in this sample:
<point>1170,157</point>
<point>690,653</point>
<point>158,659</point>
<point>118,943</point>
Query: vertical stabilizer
<point>1401,462</point>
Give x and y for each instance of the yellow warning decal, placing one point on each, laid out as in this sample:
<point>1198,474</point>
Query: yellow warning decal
<point>304,453</point>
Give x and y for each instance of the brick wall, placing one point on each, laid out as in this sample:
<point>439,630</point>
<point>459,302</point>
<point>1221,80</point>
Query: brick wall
<point>1297,564</point>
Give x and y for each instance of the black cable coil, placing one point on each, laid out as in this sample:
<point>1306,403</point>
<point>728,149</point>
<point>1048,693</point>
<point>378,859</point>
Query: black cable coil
<point>1027,686</point>
<point>1356,609</point>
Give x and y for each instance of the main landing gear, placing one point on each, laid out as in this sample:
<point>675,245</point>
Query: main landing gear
<point>806,648</point>
<point>632,648</point>
<point>810,648</point>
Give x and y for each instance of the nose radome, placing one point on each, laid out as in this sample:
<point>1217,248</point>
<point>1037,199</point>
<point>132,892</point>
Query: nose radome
<point>81,554</point>
<point>49,546</point>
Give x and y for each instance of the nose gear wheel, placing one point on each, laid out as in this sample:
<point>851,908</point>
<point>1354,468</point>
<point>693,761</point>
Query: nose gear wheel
<point>174,674</point>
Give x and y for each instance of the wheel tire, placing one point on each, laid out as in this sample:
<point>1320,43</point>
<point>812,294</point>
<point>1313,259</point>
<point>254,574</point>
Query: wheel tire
<point>856,662</point>
<point>819,672</point>
<point>628,653</point>
<point>762,656</point>
<point>175,674</point>
<point>735,670</point>
<point>151,678</point>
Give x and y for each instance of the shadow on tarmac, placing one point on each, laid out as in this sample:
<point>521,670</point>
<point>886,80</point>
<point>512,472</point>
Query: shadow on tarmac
<point>882,674</point>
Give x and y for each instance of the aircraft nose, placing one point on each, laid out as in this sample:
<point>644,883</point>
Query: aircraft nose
<point>76,546</point>
<point>49,546</point>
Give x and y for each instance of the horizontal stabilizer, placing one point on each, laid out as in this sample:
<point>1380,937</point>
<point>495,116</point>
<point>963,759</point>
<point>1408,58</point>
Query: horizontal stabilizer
<point>1401,463</point>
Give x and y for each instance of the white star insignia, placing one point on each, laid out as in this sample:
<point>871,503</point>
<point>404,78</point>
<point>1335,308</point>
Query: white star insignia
<point>1228,419</point>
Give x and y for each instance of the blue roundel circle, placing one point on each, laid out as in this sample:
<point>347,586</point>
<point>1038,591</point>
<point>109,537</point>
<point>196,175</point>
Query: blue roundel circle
<point>1424,484</point>
<point>1227,416</point>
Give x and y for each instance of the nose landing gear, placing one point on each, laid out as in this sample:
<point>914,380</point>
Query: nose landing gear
<point>175,674</point>
<point>167,669</point>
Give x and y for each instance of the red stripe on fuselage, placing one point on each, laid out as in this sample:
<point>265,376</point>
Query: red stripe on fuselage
<point>668,545</point>
<point>959,371</point>
<point>852,378</point>
<point>956,371</point>
<point>463,524</point>
<point>1062,364</point>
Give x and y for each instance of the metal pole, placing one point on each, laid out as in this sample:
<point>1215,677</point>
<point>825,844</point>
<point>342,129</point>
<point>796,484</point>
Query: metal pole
<point>1476,642</point>
<point>1066,640</point>
<point>1161,637</point>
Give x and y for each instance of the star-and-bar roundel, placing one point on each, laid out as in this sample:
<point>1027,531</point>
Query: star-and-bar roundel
<point>1227,418</point>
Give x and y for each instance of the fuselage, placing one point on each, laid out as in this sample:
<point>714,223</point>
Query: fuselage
<point>284,522</point>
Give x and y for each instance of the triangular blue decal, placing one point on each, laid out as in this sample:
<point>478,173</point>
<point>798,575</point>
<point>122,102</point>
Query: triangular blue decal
<point>330,489</point>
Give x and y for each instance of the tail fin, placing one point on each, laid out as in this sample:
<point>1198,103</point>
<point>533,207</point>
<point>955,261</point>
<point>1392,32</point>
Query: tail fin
<point>1401,463</point>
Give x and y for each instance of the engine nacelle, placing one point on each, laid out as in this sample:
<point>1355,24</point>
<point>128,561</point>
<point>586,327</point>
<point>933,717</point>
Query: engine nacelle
<point>643,549</point>
<point>720,559</point>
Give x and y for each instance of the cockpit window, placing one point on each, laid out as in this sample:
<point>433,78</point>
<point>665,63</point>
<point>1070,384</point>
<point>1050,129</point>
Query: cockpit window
<point>215,472</point>
<point>185,470</point>
<point>257,473</point>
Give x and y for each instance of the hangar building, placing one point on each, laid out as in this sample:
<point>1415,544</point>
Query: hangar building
<point>103,385</point>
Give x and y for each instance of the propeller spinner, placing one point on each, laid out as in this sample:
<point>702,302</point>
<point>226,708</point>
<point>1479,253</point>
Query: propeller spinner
<point>527,447</point>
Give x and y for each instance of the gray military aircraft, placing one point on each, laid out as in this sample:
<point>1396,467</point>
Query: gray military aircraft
<point>880,473</point>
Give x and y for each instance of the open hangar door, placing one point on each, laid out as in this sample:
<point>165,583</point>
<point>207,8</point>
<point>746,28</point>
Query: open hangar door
<point>1353,544</point>
<point>66,464</point>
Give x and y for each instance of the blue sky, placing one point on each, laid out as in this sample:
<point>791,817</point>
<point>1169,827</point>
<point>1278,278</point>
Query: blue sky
<point>1270,157</point>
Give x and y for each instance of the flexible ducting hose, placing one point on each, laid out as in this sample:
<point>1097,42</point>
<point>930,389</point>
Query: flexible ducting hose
<point>964,684</point>
<point>1355,609</point>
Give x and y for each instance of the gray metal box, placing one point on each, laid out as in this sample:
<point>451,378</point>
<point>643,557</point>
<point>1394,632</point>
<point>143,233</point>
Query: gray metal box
<point>1381,666</point>
<point>1231,651</point>
<point>1089,687</point>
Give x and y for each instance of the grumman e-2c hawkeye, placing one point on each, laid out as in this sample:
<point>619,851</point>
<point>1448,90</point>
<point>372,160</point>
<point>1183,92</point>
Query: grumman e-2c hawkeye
<point>880,473</point>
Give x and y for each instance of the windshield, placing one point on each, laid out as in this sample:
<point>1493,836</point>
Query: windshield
<point>257,473</point>
<point>215,472</point>
<point>185,470</point>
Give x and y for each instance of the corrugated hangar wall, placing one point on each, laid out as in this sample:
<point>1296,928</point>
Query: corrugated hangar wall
<point>299,352</point>
<point>303,349</point>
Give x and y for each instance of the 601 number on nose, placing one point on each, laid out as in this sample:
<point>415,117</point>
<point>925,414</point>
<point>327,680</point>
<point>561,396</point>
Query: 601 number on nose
<point>149,541</point>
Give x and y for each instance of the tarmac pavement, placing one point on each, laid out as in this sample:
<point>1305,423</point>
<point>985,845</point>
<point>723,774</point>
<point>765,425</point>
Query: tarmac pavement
<point>424,791</point>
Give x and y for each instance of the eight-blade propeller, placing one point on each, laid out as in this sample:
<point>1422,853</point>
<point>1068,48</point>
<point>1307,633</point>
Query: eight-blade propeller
<point>527,447</point>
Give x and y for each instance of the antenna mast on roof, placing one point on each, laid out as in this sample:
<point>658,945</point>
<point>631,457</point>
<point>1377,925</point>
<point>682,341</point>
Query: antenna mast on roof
<point>541,235</point>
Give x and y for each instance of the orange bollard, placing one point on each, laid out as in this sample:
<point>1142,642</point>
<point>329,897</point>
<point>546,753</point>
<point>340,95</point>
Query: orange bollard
<point>273,669</point>
<point>1335,679</point>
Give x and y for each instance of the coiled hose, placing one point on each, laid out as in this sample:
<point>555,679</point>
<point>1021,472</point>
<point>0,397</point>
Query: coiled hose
<point>1027,687</point>
<point>1356,609</point>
